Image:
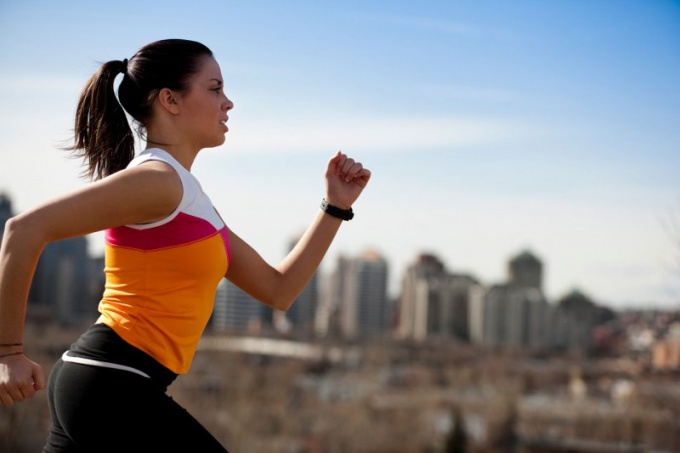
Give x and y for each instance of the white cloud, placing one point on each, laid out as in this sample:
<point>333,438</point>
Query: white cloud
<point>372,133</point>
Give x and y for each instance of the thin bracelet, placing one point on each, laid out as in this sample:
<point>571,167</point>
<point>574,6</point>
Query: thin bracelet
<point>11,344</point>
<point>13,353</point>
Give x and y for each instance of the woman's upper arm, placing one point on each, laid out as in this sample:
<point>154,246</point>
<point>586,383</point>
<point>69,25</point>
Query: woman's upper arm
<point>145,193</point>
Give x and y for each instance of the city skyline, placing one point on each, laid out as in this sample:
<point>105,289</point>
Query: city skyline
<point>490,127</point>
<point>394,288</point>
<point>354,302</point>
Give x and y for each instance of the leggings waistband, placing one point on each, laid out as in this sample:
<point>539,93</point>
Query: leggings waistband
<point>91,362</point>
<point>101,346</point>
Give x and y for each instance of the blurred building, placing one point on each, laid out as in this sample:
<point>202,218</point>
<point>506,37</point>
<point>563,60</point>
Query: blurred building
<point>526,270</point>
<point>513,313</point>
<point>359,286</point>
<point>449,302</point>
<point>333,310</point>
<point>434,302</point>
<point>62,281</point>
<point>411,311</point>
<point>573,321</point>
<point>514,316</point>
<point>236,311</point>
<point>666,352</point>
<point>5,212</point>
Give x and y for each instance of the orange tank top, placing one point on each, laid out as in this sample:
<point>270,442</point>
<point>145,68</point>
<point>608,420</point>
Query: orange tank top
<point>161,277</point>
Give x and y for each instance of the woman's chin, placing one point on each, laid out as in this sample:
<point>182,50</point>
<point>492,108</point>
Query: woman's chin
<point>219,141</point>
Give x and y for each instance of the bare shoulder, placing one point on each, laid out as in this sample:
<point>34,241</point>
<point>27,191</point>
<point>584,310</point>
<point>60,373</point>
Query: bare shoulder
<point>153,189</point>
<point>142,194</point>
<point>153,179</point>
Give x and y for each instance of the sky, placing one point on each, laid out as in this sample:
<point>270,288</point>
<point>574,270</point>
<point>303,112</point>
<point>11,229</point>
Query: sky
<point>490,127</point>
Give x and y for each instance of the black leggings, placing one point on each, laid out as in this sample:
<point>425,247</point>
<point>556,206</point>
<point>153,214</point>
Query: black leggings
<point>95,409</point>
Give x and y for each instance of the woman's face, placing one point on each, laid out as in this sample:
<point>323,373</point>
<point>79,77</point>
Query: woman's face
<point>205,106</point>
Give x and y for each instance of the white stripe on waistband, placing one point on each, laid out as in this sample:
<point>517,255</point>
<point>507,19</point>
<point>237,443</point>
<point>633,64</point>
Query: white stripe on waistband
<point>83,361</point>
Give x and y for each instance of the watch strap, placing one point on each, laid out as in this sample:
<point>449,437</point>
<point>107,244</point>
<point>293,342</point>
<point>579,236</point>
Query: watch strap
<point>344,214</point>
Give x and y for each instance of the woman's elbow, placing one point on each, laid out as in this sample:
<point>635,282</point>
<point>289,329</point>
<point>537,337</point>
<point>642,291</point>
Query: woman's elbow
<point>281,294</point>
<point>24,232</point>
<point>281,302</point>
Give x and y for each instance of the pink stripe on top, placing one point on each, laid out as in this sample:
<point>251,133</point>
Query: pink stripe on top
<point>183,229</point>
<point>227,244</point>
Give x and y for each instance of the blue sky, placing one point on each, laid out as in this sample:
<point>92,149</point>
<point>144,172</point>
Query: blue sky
<point>491,127</point>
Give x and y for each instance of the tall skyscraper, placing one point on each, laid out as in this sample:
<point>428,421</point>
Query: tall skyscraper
<point>514,316</point>
<point>413,303</point>
<point>526,270</point>
<point>434,302</point>
<point>452,318</point>
<point>5,211</point>
<point>363,309</point>
<point>334,298</point>
<point>514,313</point>
<point>476,315</point>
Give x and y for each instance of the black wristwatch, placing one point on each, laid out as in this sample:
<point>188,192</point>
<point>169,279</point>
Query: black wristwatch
<point>344,214</point>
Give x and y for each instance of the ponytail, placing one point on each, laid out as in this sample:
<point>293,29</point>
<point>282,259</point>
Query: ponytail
<point>103,136</point>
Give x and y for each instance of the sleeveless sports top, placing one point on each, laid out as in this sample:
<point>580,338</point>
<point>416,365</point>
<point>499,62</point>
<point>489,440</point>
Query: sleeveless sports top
<point>161,277</point>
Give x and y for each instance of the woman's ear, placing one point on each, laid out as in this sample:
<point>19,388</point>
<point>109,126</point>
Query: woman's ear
<point>168,100</point>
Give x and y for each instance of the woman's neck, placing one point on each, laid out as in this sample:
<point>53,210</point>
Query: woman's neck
<point>179,153</point>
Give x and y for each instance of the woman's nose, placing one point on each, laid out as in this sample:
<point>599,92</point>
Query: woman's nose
<point>228,105</point>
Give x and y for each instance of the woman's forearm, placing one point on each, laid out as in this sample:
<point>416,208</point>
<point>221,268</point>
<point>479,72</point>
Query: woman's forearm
<point>298,267</point>
<point>19,255</point>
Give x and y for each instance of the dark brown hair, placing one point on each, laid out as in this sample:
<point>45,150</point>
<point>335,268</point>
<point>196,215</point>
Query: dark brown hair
<point>103,136</point>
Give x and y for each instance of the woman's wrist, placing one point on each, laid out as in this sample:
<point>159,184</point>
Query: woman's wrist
<point>336,203</point>
<point>337,211</point>
<point>10,346</point>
